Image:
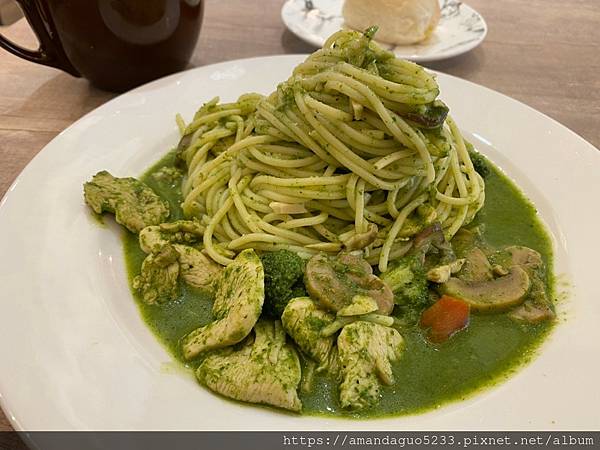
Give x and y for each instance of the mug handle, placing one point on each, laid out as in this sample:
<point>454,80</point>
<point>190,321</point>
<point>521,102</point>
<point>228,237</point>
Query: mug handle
<point>50,52</point>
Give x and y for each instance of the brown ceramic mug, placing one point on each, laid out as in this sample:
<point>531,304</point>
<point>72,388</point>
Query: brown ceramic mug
<point>116,44</point>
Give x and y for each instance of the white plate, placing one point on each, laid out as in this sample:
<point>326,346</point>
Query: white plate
<point>461,28</point>
<point>77,355</point>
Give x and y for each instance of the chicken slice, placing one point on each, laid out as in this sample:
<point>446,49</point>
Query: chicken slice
<point>366,351</point>
<point>157,282</point>
<point>196,269</point>
<point>303,321</point>
<point>134,204</point>
<point>265,370</point>
<point>238,303</point>
<point>155,237</point>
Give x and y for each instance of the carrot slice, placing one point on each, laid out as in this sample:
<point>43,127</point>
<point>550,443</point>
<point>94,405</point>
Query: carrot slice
<point>445,317</point>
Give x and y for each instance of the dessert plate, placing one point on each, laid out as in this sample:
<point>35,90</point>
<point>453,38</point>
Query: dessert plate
<point>460,30</point>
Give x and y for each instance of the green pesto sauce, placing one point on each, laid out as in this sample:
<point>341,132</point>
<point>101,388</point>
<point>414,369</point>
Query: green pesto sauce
<point>427,376</point>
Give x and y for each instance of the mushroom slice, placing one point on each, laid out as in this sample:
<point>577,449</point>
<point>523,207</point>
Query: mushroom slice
<point>357,265</point>
<point>265,370</point>
<point>333,282</point>
<point>532,312</point>
<point>477,267</point>
<point>431,235</point>
<point>238,304</point>
<point>366,353</point>
<point>361,240</point>
<point>492,295</point>
<point>536,308</point>
<point>184,143</point>
<point>517,255</point>
<point>499,270</point>
<point>524,257</point>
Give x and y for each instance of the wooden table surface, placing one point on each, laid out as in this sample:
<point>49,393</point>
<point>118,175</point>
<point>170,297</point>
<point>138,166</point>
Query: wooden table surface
<point>545,53</point>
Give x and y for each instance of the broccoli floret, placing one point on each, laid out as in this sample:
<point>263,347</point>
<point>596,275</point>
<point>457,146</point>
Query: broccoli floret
<point>298,290</point>
<point>284,271</point>
<point>408,280</point>
<point>479,161</point>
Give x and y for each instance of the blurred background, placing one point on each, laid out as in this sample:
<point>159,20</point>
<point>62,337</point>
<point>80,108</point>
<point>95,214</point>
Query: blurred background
<point>9,12</point>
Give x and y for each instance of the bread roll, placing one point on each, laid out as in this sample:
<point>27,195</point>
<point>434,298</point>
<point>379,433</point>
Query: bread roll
<point>400,21</point>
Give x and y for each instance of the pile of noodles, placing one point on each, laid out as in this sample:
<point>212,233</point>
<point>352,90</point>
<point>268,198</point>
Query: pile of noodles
<point>353,151</point>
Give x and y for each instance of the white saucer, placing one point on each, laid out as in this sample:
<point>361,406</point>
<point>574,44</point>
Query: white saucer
<point>461,28</point>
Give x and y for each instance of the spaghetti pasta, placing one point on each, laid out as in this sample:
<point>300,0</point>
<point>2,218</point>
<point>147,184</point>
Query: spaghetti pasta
<point>354,144</point>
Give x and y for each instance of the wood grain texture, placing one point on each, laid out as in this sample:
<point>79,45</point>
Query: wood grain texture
<point>541,52</point>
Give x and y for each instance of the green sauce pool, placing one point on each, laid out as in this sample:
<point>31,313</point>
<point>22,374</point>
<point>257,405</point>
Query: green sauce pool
<point>426,376</point>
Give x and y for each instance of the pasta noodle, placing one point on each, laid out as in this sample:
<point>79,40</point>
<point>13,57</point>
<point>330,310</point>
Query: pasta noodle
<point>353,148</point>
